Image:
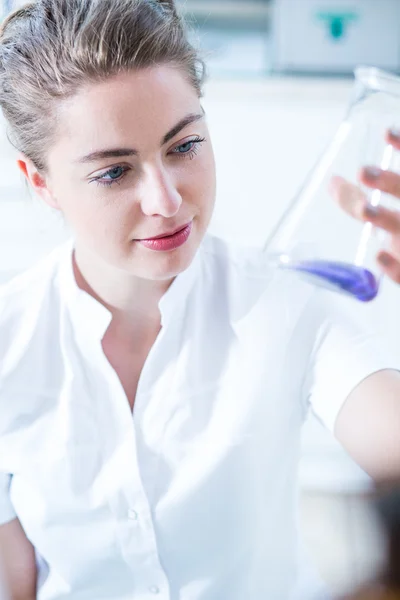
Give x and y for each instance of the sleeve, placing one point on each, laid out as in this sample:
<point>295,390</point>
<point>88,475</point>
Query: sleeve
<point>7,512</point>
<point>347,348</point>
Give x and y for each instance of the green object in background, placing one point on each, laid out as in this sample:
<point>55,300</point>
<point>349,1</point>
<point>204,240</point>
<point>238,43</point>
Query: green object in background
<point>337,22</point>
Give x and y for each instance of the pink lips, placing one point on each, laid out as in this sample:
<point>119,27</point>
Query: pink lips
<point>169,242</point>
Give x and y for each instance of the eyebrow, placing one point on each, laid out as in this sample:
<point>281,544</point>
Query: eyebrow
<point>118,152</point>
<point>188,120</point>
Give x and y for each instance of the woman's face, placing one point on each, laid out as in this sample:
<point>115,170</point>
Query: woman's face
<point>133,161</point>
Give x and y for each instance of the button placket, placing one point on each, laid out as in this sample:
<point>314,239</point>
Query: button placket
<point>135,528</point>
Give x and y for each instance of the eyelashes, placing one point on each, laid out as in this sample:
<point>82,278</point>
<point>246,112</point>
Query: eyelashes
<point>189,149</point>
<point>116,174</point>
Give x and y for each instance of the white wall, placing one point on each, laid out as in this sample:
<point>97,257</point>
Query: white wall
<point>267,136</point>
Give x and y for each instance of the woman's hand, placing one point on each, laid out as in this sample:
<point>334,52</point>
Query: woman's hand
<point>355,203</point>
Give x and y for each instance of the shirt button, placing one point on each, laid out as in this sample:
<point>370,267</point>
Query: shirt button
<point>132,515</point>
<point>154,589</point>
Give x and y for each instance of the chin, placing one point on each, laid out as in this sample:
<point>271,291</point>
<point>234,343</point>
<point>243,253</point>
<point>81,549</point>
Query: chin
<point>172,266</point>
<point>166,266</point>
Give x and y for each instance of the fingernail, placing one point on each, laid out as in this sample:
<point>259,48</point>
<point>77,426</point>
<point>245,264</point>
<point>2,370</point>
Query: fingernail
<point>371,211</point>
<point>394,132</point>
<point>372,172</point>
<point>385,260</point>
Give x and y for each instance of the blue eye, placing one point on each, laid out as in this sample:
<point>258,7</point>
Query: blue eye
<point>185,147</point>
<point>189,149</point>
<point>114,175</point>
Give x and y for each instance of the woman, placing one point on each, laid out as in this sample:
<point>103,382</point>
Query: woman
<point>153,381</point>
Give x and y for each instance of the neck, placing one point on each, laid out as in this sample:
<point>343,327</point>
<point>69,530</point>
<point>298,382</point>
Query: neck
<point>132,301</point>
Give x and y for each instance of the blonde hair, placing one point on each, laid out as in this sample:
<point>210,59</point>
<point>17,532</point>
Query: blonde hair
<point>51,48</point>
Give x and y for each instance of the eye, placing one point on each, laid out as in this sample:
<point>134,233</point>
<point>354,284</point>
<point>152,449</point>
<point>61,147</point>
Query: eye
<point>188,149</point>
<point>185,148</point>
<point>114,175</point>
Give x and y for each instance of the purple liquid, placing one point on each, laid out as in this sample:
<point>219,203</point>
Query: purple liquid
<point>356,281</point>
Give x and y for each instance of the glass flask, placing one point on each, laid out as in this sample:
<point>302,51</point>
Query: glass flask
<point>316,239</point>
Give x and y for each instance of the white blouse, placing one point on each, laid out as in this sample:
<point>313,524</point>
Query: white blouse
<point>193,496</point>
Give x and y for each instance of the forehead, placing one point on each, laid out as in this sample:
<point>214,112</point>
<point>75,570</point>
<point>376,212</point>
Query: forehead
<point>135,107</point>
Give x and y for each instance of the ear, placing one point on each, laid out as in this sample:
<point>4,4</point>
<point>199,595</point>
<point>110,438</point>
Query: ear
<point>36,180</point>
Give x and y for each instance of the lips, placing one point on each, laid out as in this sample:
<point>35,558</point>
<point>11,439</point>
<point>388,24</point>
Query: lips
<point>168,242</point>
<point>165,235</point>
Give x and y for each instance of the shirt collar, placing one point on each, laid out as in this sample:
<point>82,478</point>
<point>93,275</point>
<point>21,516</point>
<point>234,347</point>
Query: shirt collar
<point>93,319</point>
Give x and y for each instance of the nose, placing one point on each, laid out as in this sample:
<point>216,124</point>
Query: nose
<point>159,195</point>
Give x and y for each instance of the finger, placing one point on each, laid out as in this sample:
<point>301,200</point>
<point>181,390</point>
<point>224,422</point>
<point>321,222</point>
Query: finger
<point>353,201</point>
<point>393,137</point>
<point>385,181</point>
<point>381,217</point>
<point>349,197</point>
<point>390,265</point>
<point>394,245</point>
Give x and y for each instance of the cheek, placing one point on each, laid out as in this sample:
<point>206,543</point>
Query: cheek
<point>211,170</point>
<point>202,181</point>
<point>99,213</point>
<point>209,189</point>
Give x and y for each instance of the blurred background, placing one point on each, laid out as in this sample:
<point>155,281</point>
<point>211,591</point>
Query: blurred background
<point>280,82</point>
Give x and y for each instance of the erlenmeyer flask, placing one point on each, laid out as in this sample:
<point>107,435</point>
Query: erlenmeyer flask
<point>315,239</point>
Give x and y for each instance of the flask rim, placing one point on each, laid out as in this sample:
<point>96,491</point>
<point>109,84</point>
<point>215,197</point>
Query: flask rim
<point>378,80</point>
